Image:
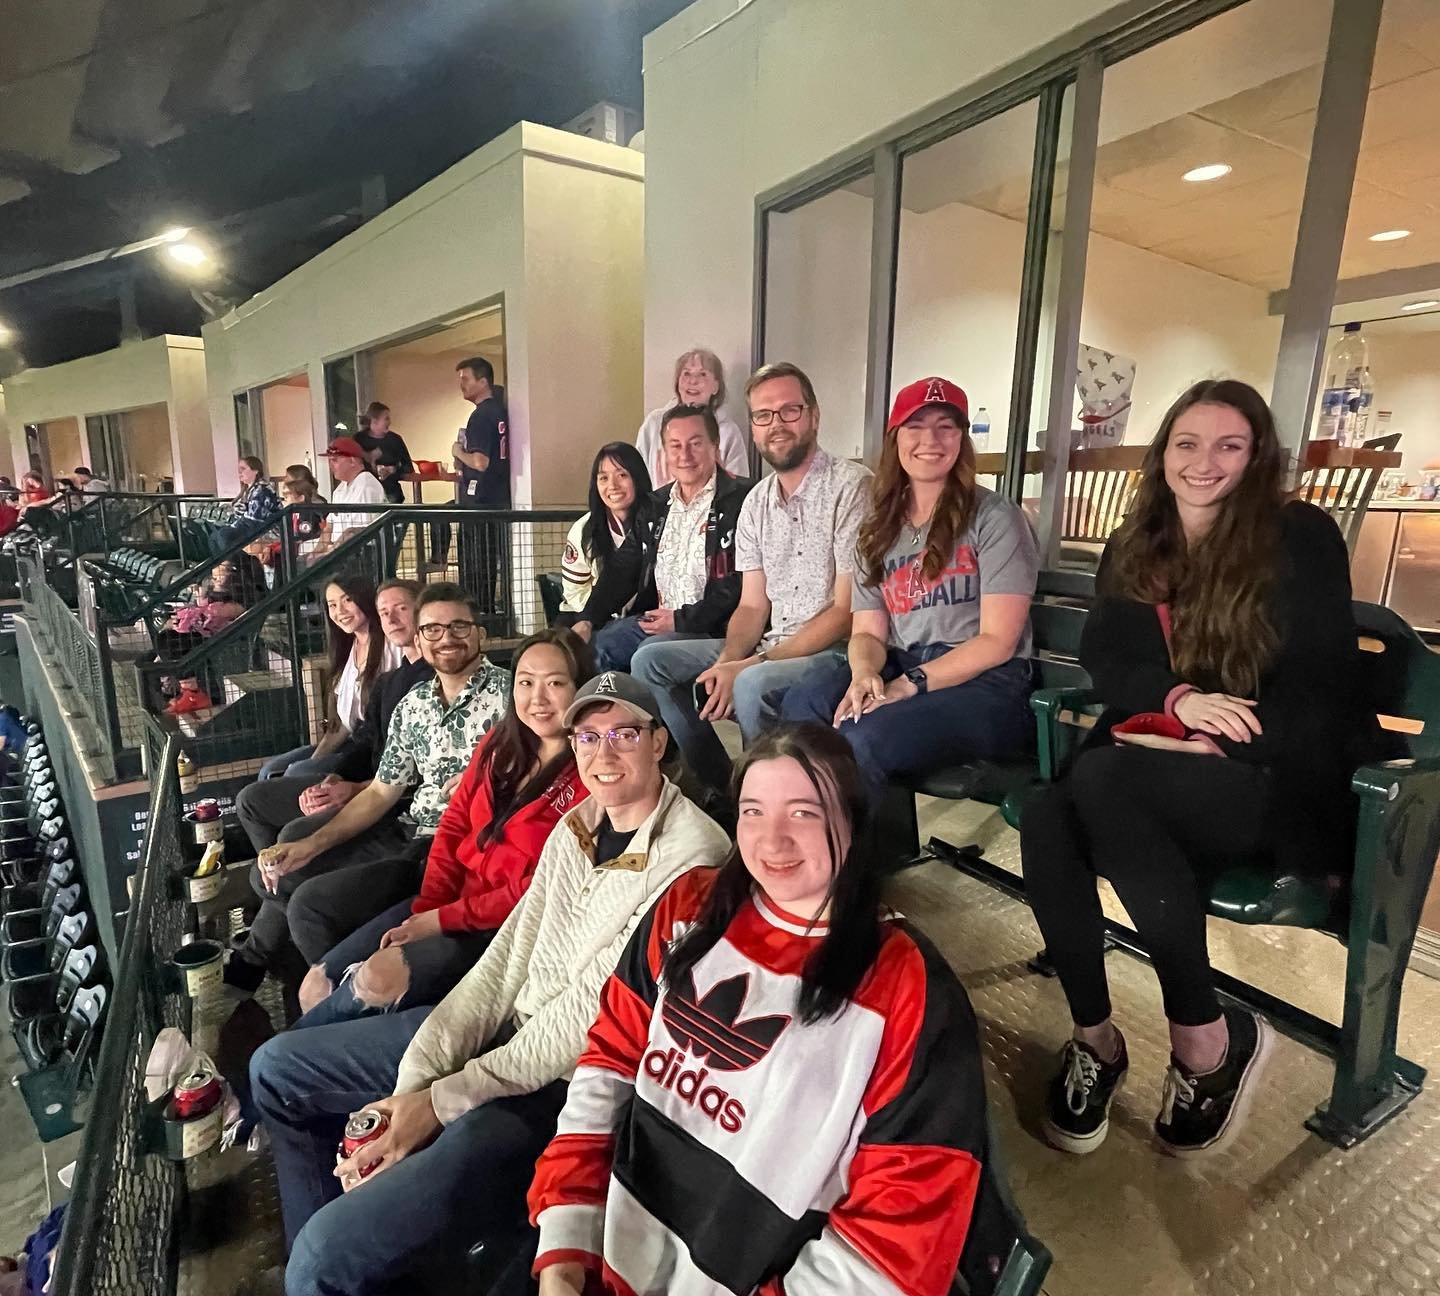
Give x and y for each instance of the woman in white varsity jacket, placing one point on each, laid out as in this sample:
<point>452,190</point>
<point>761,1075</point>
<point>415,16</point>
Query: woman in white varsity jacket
<point>783,1091</point>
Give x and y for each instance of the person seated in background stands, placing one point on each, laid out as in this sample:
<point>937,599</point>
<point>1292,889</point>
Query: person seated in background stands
<point>234,585</point>
<point>836,1102</point>
<point>620,503</point>
<point>252,510</point>
<point>478,1081</point>
<point>1223,644</point>
<point>354,484</point>
<point>88,483</point>
<point>33,489</point>
<point>677,576</point>
<point>794,548</point>
<point>699,380</point>
<point>521,779</point>
<point>938,668</point>
<point>385,450</point>
<point>359,654</point>
<point>433,733</point>
<point>290,807</point>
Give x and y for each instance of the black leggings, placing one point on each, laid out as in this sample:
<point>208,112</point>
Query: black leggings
<point>1161,826</point>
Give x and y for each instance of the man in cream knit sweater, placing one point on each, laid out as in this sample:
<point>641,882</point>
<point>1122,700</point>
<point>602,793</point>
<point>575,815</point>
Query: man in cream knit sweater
<point>478,1081</point>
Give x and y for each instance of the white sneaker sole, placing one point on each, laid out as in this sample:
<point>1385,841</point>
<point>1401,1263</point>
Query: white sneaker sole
<point>1080,1144</point>
<point>1240,1109</point>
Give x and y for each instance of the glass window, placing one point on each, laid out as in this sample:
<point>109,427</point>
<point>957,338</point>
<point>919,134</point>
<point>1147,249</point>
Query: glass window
<point>342,399</point>
<point>963,206</point>
<point>817,303</point>
<point>249,432</point>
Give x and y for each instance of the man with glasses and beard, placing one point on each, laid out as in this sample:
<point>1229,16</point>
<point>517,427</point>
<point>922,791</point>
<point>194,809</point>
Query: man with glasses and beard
<point>795,550</point>
<point>433,733</point>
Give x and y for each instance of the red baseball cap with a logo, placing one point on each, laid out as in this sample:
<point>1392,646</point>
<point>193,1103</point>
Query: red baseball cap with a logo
<point>345,446</point>
<point>923,392</point>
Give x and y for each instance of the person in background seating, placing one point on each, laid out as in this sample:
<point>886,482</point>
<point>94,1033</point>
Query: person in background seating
<point>482,457</point>
<point>432,735</point>
<point>252,509</point>
<point>354,484</point>
<point>794,548</point>
<point>521,779</point>
<point>477,1082</point>
<point>33,489</point>
<point>699,380</point>
<point>1223,645</point>
<point>385,451</point>
<point>620,502</point>
<point>359,654</point>
<point>234,584</point>
<point>287,808</point>
<point>88,483</point>
<point>938,666</point>
<point>677,576</point>
<point>836,1106</point>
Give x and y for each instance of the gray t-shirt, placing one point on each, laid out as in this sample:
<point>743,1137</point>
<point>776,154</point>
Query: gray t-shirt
<point>997,555</point>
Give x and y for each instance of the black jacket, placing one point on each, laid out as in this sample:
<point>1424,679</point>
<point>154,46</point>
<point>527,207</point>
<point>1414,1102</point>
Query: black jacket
<point>1317,724</point>
<point>631,571</point>
<point>360,752</point>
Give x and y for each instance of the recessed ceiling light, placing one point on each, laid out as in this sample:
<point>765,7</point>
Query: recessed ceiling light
<point>188,254</point>
<point>1428,304</point>
<point>1389,236</point>
<point>1211,171</point>
<point>175,234</point>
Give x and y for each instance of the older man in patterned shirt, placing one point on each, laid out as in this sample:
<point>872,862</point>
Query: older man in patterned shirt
<point>433,732</point>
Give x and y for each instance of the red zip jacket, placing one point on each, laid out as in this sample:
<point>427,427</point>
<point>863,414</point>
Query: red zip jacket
<point>475,888</point>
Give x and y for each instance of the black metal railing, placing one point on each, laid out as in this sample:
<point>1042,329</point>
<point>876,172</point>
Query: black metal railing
<point>121,1226</point>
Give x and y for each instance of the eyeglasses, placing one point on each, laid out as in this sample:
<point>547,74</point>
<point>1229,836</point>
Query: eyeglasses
<point>786,414</point>
<point>625,738</point>
<point>434,631</point>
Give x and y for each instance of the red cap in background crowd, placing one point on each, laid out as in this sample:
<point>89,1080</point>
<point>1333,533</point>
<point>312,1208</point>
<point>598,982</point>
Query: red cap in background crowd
<point>345,446</point>
<point>923,392</point>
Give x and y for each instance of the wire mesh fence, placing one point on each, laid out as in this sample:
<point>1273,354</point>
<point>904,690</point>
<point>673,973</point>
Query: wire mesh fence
<point>120,1232</point>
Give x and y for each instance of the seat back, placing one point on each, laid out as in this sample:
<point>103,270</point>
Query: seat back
<point>82,1026</point>
<point>1099,488</point>
<point>1344,492</point>
<point>1001,1256</point>
<point>67,936</point>
<point>1401,678</point>
<point>1058,626</point>
<point>79,964</point>
<point>552,595</point>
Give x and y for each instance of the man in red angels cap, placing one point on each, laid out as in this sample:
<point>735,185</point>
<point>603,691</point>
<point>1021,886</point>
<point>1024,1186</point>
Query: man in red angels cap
<point>938,666</point>
<point>354,484</point>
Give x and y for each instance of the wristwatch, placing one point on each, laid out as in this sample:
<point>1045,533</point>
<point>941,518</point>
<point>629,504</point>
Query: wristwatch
<point>916,675</point>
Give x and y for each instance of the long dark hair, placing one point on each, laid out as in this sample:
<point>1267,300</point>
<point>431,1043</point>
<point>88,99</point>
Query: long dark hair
<point>361,592</point>
<point>890,500</point>
<point>257,466</point>
<point>514,747</point>
<point>1216,589</point>
<point>595,537</point>
<point>848,949</point>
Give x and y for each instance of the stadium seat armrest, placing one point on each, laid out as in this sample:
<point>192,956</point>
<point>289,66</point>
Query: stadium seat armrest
<point>1055,736</point>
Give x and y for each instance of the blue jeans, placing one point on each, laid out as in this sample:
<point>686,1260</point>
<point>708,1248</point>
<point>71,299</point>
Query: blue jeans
<point>670,668</point>
<point>985,718</point>
<point>617,643</point>
<point>300,763</point>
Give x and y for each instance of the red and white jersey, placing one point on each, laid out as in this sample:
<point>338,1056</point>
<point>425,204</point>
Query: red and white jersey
<point>714,1142</point>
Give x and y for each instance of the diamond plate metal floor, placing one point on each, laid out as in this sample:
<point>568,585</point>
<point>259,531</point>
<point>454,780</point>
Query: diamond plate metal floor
<point>1281,1214</point>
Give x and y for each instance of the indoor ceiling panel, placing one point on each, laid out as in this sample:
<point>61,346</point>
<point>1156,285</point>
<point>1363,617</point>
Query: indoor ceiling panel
<point>1410,166</point>
<point>1266,268</point>
<point>1274,101</point>
<point>1373,209</point>
<point>1415,23</point>
<point>1394,111</point>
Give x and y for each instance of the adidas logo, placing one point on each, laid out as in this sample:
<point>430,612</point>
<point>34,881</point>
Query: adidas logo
<point>711,1028</point>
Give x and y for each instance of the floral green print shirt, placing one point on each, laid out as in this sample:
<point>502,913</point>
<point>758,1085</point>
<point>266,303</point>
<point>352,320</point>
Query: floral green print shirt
<point>429,743</point>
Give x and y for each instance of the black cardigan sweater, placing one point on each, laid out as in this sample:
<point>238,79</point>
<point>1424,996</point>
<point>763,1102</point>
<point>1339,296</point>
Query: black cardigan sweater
<point>1317,725</point>
<point>630,572</point>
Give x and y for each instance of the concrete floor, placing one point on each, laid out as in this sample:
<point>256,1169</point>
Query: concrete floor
<point>25,1165</point>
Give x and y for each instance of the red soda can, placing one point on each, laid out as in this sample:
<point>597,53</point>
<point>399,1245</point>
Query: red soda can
<point>197,1094</point>
<point>362,1128</point>
<point>207,810</point>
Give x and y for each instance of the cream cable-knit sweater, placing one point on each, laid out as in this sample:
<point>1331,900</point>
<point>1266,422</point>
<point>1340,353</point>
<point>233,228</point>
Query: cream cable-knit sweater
<point>547,964</point>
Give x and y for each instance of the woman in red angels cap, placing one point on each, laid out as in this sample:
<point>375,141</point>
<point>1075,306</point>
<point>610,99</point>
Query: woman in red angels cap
<point>938,667</point>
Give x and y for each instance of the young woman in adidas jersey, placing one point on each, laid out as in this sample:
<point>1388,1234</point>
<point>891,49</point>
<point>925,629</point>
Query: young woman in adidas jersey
<point>1222,639</point>
<point>783,1085</point>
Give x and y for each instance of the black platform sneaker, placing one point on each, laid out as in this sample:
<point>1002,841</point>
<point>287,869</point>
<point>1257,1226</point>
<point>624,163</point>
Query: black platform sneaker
<point>1077,1108</point>
<point>1201,1114</point>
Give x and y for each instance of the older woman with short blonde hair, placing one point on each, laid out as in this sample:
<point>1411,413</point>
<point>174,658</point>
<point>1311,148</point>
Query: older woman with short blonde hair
<point>699,380</point>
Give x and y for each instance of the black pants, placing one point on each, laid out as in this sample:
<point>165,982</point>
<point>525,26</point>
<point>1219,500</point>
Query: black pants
<point>482,543</point>
<point>267,809</point>
<point>324,910</point>
<point>1161,826</point>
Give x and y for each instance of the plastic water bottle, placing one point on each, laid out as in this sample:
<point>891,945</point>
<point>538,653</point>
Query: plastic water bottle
<point>980,430</point>
<point>1349,390</point>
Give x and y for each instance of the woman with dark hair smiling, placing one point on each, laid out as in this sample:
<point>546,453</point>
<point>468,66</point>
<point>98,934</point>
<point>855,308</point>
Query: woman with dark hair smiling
<point>1223,645</point>
<point>620,501</point>
<point>521,779</point>
<point>787,1096</point>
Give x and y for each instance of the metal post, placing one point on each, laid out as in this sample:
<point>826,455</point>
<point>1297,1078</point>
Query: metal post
<point>1339,122</point>
<point>289,567</point>
<point>884,257</point>
<point>1070,296</point>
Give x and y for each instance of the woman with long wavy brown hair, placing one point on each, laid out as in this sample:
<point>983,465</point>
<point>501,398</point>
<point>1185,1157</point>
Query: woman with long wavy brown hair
<point>1223,645</point>
<point>937,666</point>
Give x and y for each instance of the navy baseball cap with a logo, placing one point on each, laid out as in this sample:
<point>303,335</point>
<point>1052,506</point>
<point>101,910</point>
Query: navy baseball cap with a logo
<point>923,392</point>
<point>615,688</point>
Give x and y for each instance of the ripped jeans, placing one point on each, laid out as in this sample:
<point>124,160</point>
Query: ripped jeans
<point>435,965</point>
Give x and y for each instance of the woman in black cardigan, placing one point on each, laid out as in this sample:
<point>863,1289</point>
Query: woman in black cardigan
<point>1223,645</point>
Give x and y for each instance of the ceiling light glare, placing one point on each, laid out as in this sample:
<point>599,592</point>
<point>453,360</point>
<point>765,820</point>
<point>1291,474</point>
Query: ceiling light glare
<point>7,334</point>
<point>1211,171</point>
<point>175,234</point>
<point>1389,236</point>
<point>1430,303</point>
<point>187,254</point>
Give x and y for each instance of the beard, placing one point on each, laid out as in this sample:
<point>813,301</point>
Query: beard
<point>783,460</point>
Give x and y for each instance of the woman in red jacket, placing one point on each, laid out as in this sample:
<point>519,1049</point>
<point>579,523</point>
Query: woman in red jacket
<point>519,783</point>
